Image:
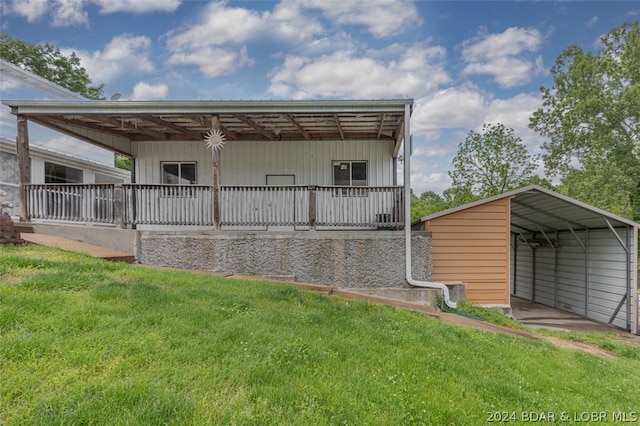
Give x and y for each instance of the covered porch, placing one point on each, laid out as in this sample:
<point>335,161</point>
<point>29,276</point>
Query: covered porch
<point>301,165</point>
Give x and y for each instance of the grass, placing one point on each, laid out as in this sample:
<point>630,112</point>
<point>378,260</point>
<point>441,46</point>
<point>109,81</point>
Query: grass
<point>84,341</point>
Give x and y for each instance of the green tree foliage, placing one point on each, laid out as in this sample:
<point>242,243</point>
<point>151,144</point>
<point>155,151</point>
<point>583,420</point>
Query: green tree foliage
<point>48,62</point>
<point>428,203</point>
<point>490,163</point>
<point>592,119</point>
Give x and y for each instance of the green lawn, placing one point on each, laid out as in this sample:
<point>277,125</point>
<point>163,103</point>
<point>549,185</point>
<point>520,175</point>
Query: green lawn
<point>83,341</point>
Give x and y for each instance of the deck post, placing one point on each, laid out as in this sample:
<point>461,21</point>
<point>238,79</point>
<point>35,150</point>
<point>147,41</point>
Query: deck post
<point>24,165</point>
<point>215,126</point>
<point>118,206</point>
<point>312,206</point>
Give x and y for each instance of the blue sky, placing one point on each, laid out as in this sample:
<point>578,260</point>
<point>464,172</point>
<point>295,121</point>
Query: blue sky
<point>465,63</point>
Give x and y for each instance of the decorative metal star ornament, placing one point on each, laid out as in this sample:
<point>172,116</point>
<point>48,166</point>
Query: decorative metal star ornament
<point>214,139</point>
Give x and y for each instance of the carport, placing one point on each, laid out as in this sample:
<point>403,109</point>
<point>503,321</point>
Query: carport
<point>558,252</point>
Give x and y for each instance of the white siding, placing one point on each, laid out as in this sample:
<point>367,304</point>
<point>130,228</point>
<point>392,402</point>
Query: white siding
<point>249,162</point>
<point>149,155</point>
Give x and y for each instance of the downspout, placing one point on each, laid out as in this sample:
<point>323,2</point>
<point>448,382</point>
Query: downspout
<point>407,217</point>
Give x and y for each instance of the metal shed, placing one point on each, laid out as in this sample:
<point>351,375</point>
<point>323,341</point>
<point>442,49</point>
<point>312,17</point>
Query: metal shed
<point>560,252</point>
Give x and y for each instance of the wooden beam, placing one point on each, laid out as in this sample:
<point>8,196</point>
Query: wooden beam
<point>119,127</point>
<point>337,120</point>
<point>264,132</point>
<point>297,126</point>
<point>24,164</point>
<point>381,125</point>
<point>399,139</point>
<point>169,125</point>
<point>51,124</point>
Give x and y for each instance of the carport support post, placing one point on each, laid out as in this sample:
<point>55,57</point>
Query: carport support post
<point>215,126</point>
<point>24,165</point>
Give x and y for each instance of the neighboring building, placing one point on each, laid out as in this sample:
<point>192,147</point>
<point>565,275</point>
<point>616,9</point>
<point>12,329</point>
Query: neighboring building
<point>538,245</point>
<point>48,166</point>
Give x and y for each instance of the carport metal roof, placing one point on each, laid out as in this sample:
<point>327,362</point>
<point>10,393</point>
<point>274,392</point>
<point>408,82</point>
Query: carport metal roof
<point>534,208</point>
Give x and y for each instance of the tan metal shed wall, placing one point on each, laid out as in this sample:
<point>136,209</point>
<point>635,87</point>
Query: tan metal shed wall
<point>472,246</point>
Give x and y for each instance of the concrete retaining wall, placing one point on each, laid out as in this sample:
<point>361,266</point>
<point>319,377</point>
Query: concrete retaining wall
<point>356,259</point>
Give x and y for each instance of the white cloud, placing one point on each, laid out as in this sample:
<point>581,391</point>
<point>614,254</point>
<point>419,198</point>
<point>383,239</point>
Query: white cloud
<point>591,22</point>
<point>218,43</point>
<point>514,113</point>
<point>422,180</point>
<point>146,91</point>
<point>382,18</point>
<point>32,10</point>
<point>63,13</point>
<point>213,61</point>
<point>346,74</point>
<point>124,54</point>
<point>137,6</point>
<point>509,56</point>
<point>455,107</point>
<point>67,13</point>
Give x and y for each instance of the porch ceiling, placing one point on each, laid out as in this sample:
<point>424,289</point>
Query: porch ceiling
<point>102,122</point>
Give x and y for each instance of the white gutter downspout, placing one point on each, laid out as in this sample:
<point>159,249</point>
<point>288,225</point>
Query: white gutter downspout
<point>407,216</point>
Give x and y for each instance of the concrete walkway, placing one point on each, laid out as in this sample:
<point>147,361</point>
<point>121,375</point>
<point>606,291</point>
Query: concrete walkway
<point>72,245</point>
<point>535,315</point>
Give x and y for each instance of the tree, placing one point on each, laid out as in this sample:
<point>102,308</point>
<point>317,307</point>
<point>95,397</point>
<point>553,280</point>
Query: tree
<point>48,62</point>
<point>428,203</point>
<point>490,163</point>
<point>591,116</point>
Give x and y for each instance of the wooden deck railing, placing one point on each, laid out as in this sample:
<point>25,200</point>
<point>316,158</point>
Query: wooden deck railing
<point>302,207</point>
<point>76,203</point>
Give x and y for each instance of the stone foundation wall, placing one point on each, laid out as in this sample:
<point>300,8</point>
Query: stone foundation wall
<point>347,259</point>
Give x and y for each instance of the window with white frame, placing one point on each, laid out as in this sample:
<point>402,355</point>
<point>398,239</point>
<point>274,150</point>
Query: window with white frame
<point>350,173</point>
<point>179,173</point>
<point>57,173</point>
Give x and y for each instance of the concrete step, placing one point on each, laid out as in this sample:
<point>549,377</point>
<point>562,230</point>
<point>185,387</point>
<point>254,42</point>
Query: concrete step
<point>24,228</point>
<point>72,245</point>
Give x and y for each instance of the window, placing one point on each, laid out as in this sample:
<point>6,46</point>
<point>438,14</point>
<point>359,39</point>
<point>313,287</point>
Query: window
<point>350,173</point>
<point>57,173</point>
<point>179,173</point>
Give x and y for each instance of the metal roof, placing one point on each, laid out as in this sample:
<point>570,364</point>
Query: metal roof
<point>534,208</point>
<point>29,79</point>
<point>99,122</point>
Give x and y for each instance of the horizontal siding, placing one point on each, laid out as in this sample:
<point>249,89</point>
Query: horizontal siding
<point>472,246</point>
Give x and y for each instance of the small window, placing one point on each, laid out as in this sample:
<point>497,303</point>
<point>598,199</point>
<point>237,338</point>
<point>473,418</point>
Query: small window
<point>179,173</point>
<point>350,173</point>
<point>57,173</point>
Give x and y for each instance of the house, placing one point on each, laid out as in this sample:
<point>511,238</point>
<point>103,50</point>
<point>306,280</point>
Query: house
<point>51,166</point>
<point>300,190</point>
<point>535,244</point>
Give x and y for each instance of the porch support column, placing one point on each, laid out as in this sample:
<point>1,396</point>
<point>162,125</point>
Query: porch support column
<point>215,126</point>
<point>24,164</point>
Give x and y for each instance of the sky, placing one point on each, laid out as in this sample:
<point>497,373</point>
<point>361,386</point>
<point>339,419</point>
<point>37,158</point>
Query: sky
<point>464,63</point>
